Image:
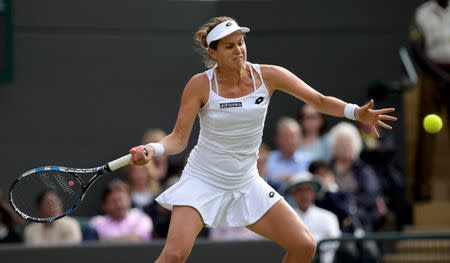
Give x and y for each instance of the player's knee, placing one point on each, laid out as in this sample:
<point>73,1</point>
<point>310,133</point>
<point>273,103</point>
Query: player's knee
<point>304,247</point>
<point>310,247</point>
<point>175,255</point>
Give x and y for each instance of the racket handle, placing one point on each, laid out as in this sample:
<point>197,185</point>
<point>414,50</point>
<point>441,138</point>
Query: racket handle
<point>120,162</point>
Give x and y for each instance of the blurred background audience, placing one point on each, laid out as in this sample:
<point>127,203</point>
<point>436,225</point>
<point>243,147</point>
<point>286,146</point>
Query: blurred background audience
<point>9,222</point>
<point>355,176</point>
<point>60,232</point>
<point>313,127</point>
<point>286,160</point>
<point>303,187</point>
<point>121,222</point>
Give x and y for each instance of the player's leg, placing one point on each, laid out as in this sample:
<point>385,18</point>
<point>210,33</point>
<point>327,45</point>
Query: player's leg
<point>185,225</point>
<point>282,225</point>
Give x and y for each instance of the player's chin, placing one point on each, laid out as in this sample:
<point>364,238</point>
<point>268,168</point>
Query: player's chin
<point>238,62</point>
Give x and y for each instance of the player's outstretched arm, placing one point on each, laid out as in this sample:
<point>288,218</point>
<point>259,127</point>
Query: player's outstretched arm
<point>282,79</point>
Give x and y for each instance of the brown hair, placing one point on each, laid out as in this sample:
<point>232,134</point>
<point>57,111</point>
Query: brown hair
<point>200,39</point>
<point>153,135</point>
<point>115,185</point>
<point>301,117</point>
<point>317,165</point>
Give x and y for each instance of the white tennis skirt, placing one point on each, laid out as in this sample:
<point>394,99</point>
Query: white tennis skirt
<point>218,207</point>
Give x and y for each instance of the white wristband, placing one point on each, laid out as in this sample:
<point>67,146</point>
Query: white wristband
<point>158,147</point>
<point>350,110</point>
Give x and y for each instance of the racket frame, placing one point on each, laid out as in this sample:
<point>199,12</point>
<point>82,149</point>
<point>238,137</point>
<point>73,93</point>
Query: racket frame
<point>75,172</point>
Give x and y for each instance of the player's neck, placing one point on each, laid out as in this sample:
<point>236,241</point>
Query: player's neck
<point>234,75</point>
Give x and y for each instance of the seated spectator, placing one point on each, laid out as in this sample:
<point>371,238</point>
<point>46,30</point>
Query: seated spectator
<point>62,231</point>
<point>379,153</point>
<point>161,163</point>
<point>313,127</point>
<point>332,198</point>
<point>286,161</point>
<point>261,165</point>
<point>160,215</point>
<point>145,181</point>
<point>342,204</point>
<point>121,222</point>
<point>322,223</point>
<point>8,223</point>
<point>144,185</point>
<point>355,176</point>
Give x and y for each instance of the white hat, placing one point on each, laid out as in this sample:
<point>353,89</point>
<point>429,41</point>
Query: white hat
<point>302,179</point>
<point>224,29</point>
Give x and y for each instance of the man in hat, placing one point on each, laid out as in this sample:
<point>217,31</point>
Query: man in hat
<point>321,223</point>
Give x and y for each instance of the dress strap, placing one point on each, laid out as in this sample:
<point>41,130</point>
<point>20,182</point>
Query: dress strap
<point>215,81</point>
<point>258,69</point>
<point>210,74</point>
<point>253,78</point>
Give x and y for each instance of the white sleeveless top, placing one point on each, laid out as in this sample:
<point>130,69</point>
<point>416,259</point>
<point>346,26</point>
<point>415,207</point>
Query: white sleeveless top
<point>230,135</point>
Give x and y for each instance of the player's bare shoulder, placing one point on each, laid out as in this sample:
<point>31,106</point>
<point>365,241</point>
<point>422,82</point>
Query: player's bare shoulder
<point>270,70</point>
<point>198,87</point>
<point>271,75</point>
<point>199,81</point>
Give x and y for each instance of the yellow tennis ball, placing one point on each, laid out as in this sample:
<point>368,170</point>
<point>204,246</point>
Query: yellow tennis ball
<point>432,123</point>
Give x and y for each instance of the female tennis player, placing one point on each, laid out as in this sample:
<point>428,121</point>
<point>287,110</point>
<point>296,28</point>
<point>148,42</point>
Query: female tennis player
<point>220,185</point>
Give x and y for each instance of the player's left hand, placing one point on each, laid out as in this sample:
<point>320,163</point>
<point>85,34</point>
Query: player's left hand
<point>374,118</point>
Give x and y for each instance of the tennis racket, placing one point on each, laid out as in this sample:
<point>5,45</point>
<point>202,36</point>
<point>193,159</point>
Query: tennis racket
<point>62,188</point>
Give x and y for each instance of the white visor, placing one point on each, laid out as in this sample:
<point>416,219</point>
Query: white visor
<point>224,29</point>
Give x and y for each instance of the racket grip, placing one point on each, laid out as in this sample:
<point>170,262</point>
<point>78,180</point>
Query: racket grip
<point>120,162</point>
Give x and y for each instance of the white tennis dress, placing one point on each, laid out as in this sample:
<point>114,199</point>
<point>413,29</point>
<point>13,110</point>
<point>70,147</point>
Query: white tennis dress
<point>220,179</point>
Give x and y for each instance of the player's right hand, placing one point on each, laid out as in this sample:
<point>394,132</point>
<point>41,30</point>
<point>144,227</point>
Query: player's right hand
<point>141,155</point>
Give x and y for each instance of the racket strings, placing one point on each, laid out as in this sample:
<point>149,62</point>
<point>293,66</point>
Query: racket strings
<point>46,194</point>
